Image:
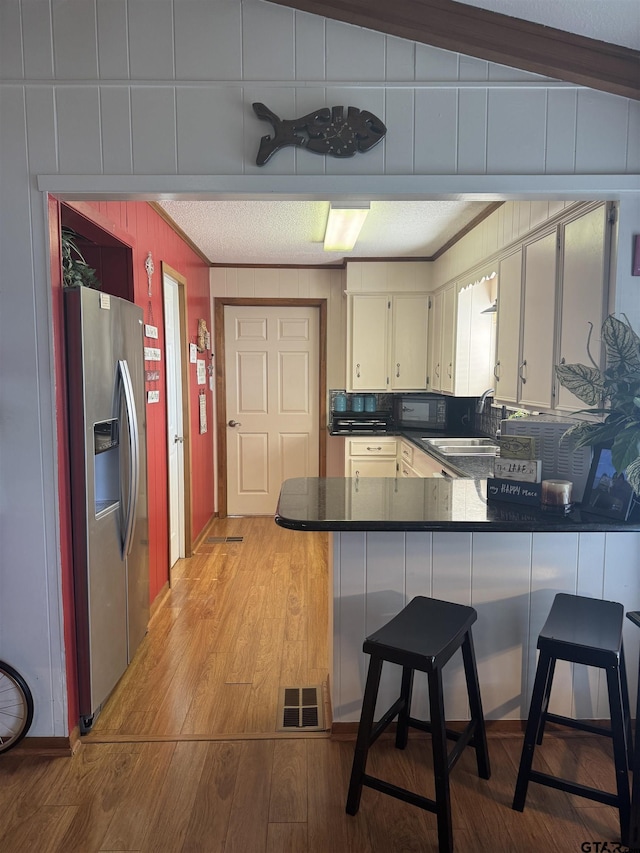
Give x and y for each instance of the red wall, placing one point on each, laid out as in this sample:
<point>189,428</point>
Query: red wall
<point>139,226</point>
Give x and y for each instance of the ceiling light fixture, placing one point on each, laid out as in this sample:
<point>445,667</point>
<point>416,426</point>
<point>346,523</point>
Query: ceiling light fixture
<point>343,226</point>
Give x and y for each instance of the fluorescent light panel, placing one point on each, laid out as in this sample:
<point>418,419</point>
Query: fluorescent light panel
<point>343,226</point>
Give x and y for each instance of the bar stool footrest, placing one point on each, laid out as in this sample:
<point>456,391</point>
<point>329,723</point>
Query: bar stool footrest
<point>385,720</point>
<point>574,788</point>
<point>399,793</point>
<point>464,738</point>
<point>578,724</point>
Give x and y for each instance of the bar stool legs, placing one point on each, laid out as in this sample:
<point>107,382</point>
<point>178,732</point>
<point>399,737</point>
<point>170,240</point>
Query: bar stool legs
<point>634,826</point>
<point>422,637</point>
<point>586,631</point>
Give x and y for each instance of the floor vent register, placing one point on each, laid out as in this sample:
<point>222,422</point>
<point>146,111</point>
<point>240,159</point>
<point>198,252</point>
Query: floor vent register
<point>300,708</point>
<point>214,540</point>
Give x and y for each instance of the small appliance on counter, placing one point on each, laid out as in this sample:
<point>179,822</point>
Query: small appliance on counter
<point>420,411</point>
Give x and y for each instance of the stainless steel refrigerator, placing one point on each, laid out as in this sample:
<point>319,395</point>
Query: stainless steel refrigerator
<point>107,436</point>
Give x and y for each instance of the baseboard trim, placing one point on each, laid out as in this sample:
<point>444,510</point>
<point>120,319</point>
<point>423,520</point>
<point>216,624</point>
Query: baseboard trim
<point>203,534</point>
<point>494,728</point>
<point>49,747</point>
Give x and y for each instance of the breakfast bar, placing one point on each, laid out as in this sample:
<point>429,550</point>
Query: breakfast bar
<point>394,538</point>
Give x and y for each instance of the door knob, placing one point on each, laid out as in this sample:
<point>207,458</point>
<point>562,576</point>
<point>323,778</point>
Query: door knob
<point>233,423</point>
<point>178,438</point>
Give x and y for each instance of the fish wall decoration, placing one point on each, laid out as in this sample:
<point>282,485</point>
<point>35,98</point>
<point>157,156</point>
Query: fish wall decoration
<point>324,131</point>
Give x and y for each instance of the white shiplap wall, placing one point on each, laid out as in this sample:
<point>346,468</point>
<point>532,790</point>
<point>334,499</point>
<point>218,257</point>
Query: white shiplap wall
<point>126,96</point>
<point>511,580</point>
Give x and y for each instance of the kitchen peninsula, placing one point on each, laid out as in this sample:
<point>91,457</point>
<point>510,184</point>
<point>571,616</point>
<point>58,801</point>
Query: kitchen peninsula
<point>395,538</point>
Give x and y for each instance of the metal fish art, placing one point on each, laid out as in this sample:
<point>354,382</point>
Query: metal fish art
<point>324,131</point>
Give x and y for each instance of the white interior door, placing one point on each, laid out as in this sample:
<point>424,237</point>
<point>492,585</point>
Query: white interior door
<point>272,376</point>
<point>175,435</point>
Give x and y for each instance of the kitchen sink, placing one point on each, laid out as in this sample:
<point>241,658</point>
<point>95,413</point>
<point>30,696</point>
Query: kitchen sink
<point>460,442</point>
<point>463,450</point>
<point>463,446</point>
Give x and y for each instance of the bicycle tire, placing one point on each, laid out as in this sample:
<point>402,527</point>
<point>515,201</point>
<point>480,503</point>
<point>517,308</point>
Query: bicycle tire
<point>16,707</point>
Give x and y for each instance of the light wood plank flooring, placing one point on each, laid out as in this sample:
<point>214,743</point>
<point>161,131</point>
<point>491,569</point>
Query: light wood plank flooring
<point>242,620</point>
<point>184,758</point>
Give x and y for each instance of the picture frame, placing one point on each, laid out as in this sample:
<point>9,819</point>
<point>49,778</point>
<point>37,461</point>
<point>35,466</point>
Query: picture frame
<point>607,493</point>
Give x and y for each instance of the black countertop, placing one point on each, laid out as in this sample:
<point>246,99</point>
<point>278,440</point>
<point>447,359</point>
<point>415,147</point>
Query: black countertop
<point>415,503</point>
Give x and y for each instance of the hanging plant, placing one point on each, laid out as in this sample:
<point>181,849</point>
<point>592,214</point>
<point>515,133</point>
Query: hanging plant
<point>75,270</point>
<point>613,394</point>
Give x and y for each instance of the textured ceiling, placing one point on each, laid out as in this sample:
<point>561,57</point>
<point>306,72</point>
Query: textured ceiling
<point>291,232</point>
<point>616,21</point>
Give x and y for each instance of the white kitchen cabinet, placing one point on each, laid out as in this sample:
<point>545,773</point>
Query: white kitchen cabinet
<point>448,342</point>
<point>388,342</point>
<point>371,457</point>
<point>585,249</point>
<point>508,328</point>
<point>463,339</point>
<point>409,338</point>
<point>435,348</point>
<point>549,291</point>
<point>414,462</point>
<point>368,342</point>
<point>538,326</point>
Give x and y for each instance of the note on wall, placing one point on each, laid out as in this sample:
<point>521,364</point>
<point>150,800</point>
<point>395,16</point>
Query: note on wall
<point>203,413</point>
<point>201,371</point>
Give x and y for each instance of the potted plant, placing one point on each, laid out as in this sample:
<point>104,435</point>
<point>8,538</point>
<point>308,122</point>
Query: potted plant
<point>613,395</point>
<point>75,270</point>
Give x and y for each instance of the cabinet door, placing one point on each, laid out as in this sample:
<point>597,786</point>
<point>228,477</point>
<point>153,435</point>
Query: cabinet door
<point>368,344</point>
<point>448,338</point>
<point>435,349</point>
<point>508,346</point>
<point>426,465</point>
<point>409,318</point>
<point>536,368</point>
<point>583,294</point>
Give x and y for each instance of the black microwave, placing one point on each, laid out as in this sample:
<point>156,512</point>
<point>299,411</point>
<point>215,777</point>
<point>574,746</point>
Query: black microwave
<point>421,411</point>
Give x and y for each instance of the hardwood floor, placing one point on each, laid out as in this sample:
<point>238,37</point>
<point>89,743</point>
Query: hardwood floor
<point>184,757</point>
<point>241,620</point>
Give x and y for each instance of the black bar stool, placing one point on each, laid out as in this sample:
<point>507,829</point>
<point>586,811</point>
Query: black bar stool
<point>587,631</point>
<point>423,637</point>
<point>634,828</point>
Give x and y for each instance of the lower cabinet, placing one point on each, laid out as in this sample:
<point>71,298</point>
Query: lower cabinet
<point>371,457</point>
<point>389,457</point>
<point>414,462</point>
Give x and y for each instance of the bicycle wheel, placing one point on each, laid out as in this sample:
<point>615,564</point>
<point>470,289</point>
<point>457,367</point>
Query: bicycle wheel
<point>16,707</point>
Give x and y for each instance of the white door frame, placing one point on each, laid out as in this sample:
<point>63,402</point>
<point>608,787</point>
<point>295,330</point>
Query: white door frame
<point>185,402</point>
<point>221,388</point>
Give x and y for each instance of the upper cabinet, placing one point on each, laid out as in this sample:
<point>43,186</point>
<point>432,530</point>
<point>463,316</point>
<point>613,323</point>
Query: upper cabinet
<point>409,339</point>
<point>387,325</point>
<point>538,302</point>
<point>367,344</point>
<point>508,331</point>
<point>387,342</point>
<point>583,297</point>
<point>462,335</point>
<point>551,291</point>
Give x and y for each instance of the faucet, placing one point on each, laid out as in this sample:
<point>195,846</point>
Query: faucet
<point>482,401</point>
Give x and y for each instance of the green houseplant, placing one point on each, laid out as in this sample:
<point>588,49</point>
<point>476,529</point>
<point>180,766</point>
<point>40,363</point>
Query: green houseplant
<point>75,270</point>
<point>612,394</point>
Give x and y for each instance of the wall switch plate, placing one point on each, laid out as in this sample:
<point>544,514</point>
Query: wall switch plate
<point>153,396</point>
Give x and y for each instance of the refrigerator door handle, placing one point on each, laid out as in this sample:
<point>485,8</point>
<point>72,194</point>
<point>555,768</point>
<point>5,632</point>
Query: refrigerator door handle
<point>126,391</point>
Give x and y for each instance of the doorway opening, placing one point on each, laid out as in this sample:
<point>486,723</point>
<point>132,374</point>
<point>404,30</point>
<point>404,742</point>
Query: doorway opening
<point>221,380</point>
<point>178,414</point>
